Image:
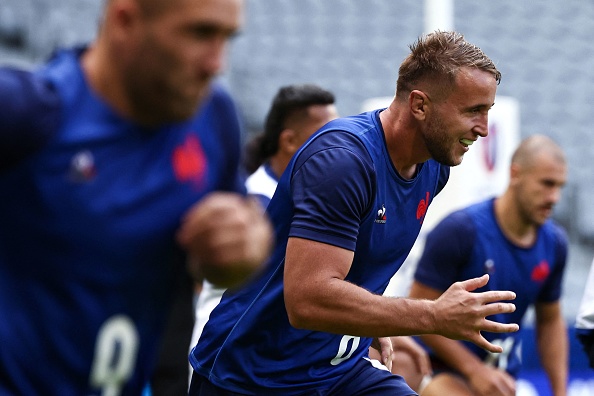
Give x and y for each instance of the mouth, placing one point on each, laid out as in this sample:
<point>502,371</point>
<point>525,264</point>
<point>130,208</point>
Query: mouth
<point>466,142</point>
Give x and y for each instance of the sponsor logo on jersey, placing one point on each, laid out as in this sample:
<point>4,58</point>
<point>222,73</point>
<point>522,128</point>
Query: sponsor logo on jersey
<point>381,215</point>
<point>82,167</point>
<point>541,271</point>
<point>422,208</point>
<point>189,161</point>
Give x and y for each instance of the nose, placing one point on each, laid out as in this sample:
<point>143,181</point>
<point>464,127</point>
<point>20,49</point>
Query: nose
<point>482,125</point>
<point>555,195</point>
<point>214,58</point>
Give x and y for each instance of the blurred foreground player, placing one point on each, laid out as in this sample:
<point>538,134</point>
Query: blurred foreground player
<point>108,156</point>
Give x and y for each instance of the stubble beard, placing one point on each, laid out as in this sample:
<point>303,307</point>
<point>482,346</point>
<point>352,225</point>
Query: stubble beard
<point>160,105</point>
<point>438,144</point>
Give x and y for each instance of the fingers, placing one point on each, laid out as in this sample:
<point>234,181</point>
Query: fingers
<point>386,351</point>
<point>496,295</point>
<point>496,327</point>
<point>227,238</point>
<point>497,308</point>
<point>483,343</point>
<point>475,283</point>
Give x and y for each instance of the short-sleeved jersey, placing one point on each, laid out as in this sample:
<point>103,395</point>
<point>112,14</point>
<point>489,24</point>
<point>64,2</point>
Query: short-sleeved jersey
<point>469,243</point>
<point>342,189</point>
<point>90,204</point>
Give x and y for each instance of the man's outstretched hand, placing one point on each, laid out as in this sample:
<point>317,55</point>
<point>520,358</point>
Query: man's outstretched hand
<point>461,314</point>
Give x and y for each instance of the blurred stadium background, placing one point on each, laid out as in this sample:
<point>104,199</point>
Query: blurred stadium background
<point>354,47</point>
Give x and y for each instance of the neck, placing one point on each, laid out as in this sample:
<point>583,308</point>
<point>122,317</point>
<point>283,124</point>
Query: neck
<point>98,72</point>
<point>403,141</point>
<point>278,164</point>
<point>512,224</point>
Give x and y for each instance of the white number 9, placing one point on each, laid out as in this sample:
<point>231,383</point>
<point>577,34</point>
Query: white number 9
<point>115,355</point>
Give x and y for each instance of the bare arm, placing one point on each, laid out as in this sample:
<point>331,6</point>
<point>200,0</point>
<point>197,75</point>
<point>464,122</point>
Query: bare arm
<point>551,334</point>
<point>483,379</point>
<point>317,297</point>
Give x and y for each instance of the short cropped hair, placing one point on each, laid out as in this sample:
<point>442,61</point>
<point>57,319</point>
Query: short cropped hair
<point>437,57</point>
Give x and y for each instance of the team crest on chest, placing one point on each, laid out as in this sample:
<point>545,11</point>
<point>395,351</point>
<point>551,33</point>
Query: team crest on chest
<point>189,161</point>
<point>422,208</point>
<point>541,271</point>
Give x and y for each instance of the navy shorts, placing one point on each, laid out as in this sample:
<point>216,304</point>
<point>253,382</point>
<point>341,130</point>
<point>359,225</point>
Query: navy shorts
<point>363,380</point>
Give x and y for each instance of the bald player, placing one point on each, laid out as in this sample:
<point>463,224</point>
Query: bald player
<point>513,239</point>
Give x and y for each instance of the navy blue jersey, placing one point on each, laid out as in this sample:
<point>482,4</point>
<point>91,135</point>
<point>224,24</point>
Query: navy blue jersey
<point>469,243</point>
<point>341,188</point>
<point>90,204</point>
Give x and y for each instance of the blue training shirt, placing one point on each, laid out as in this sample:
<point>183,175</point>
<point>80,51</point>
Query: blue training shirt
<point>469,243</point>
<point>341,188</point>
<point>90,204</point>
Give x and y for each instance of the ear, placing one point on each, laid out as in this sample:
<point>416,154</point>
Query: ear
<point>287,141</point>
<point>515,171</point>
<point>123,16</point>
<point>418,102</point>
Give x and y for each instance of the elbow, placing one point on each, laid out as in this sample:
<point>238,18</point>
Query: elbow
<point>300,314</point>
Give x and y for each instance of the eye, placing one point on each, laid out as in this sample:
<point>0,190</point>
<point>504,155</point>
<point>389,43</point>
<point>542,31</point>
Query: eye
<point>211,32</point>
<point>205,32</point>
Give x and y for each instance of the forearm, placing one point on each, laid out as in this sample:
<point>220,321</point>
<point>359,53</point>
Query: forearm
<point>553,350</point>
<point>343,308</point>
<point>317,297</point>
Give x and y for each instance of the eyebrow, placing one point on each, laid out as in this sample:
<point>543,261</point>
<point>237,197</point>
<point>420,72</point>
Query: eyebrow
<point>209,28</point>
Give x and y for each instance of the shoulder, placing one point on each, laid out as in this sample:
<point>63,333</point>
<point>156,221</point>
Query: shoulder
<point>30,113</point>
<point>553,231</point>
<point>454,230</point>
<point>557,231</point>
<point>336,138</point>
<point>459,219</point>
<point>25,96</point>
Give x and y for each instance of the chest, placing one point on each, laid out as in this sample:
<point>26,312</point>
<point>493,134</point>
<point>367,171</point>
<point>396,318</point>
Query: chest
<point>389,231</point>
<point>111,187</point>
<point>525,271</point>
